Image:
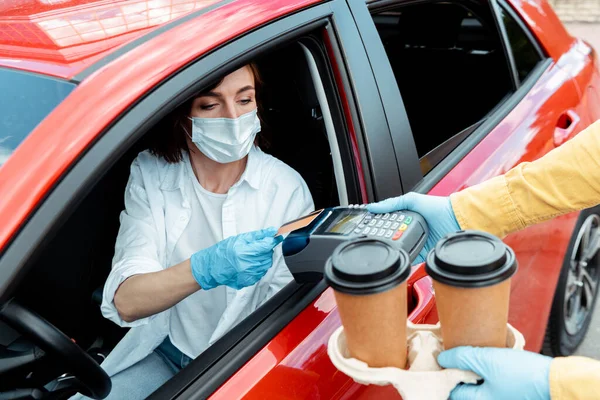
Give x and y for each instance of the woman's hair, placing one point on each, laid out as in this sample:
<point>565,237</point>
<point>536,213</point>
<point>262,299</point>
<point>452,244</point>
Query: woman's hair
<point>168,139</point>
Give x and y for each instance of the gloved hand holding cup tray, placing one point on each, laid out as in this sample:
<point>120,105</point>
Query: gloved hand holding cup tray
<point>367,268</point>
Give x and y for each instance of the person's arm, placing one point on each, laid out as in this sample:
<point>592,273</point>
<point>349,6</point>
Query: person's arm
<point>147,294</point>
<point>575,378</point>
<point>237,261</point>
<point>136,258</point>
<point>138,286</point>
<point>564,180</point>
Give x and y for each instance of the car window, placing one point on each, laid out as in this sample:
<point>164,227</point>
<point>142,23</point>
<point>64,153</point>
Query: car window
<point>524,52</point>
<point>25,100</point>
<point>450,68</point>
<point>291,91</point>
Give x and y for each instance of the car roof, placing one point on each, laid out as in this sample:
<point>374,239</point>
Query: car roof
<point>63,37</point>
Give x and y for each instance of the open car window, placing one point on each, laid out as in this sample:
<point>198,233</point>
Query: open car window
<point>290,92</point>
<point>525,51</point>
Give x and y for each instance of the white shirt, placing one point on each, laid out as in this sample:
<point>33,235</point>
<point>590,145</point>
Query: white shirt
<point>158,211</point>
<point>195,318</point>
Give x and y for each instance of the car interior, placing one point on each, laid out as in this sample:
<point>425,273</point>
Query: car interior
<point>434,68</point>
<point>449,65</point>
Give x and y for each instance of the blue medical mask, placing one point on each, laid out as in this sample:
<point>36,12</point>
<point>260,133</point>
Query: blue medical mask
<point>225,140</point>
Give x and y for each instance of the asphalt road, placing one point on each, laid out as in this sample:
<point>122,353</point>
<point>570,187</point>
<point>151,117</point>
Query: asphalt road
<point>591,345</point>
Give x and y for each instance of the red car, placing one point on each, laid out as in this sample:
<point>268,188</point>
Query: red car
<point>364,100</point>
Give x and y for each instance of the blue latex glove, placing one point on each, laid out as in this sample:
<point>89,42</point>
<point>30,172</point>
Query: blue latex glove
<point>436,210</point>
<point>508,374</point>
<point>238,261</point>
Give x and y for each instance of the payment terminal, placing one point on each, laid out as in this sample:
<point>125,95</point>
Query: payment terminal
<point>312,238</point>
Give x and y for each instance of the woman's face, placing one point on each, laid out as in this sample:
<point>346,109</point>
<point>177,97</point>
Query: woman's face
<point>235,96</point>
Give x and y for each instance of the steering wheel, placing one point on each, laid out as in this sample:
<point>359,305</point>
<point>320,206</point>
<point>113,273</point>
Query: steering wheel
<point>90,379</point>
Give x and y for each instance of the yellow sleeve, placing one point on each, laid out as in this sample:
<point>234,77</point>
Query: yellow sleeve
<point>564,180</point>
<point>574,378</point>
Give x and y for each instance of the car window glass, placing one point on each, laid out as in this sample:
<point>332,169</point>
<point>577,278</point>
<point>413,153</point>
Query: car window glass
<point>25,100</point>
<point>450,69</point>
<point>524,52</point>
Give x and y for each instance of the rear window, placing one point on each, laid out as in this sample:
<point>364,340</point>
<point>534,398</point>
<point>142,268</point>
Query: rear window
<point>25,100</point>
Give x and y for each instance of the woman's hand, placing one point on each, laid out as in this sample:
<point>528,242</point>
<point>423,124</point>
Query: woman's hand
<point>437,212</point>
<point>238,261</point>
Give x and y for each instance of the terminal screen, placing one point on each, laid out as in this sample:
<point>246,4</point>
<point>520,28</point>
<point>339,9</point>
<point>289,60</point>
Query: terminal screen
<point>345,222</point>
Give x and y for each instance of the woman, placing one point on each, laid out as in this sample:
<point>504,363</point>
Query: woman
<point>566,179</point>
<point>192,258</point>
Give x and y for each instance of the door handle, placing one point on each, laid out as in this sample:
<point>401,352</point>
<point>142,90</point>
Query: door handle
<point>565,126</point>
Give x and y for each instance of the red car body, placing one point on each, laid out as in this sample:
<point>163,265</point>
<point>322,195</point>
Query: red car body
<point>294,363</point>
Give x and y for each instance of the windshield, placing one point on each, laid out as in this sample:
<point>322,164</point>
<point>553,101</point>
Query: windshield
<point>25,100</point>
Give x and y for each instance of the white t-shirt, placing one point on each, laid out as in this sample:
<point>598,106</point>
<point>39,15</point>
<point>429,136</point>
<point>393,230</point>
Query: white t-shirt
<point>195,318</point>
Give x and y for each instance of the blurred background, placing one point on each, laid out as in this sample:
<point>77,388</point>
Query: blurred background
<point>582,19</point>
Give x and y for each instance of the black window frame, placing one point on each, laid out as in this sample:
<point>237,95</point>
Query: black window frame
<point>504,6</point>
<point>410,170</point>
<point>395,113</point>
<point>111,144</point>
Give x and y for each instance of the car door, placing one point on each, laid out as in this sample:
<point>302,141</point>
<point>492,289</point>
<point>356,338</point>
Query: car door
<point>535,111</point>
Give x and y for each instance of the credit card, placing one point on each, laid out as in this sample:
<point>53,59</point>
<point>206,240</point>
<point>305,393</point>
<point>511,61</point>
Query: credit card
<point>298,223</point>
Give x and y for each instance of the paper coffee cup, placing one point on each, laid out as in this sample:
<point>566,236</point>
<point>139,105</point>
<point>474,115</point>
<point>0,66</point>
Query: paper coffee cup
<point>368,277</point>
<point>471,273</point>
